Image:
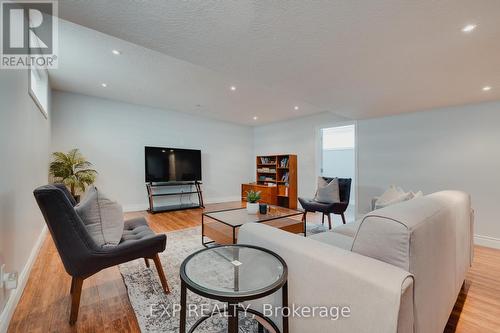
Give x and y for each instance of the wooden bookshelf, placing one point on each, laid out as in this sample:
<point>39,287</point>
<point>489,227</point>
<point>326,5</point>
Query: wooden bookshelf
<point>276,178</point>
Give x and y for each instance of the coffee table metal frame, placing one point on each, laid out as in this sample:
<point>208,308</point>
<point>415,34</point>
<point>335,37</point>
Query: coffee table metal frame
<point>234,227</point>
<point>233,300</point>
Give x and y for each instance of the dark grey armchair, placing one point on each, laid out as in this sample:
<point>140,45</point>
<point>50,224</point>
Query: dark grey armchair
<point>79,253</point>
<point>338,208</point>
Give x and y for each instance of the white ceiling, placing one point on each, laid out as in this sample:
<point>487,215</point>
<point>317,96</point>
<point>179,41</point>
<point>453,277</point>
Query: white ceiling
<point>358,59</point>
<point>146,77</point>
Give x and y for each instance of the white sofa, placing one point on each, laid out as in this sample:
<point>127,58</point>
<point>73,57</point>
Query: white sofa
<point>399,269</point>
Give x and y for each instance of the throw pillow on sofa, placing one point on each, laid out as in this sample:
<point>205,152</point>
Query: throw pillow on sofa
<point>392,196</point>
<point>103,218</point>
<point>415,195</point>
<point>327,192</point>
<point>395,195</point>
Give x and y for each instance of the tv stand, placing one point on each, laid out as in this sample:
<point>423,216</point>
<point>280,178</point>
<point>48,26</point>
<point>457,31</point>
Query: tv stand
<point>156,209</point>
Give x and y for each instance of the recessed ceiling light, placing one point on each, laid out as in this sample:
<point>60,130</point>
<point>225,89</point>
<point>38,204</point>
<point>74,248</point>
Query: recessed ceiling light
<point>104,85</point>
<point>469,28</point>
<point>486,88</point>
<point>255,118</point>
<point>116,52</point>
<point>233,88</point>
<point>295,107</point>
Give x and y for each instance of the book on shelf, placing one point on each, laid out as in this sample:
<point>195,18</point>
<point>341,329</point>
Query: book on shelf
<point>285,177</point>
<point>266,170</point>
<point>266,160</point>
<point>284,162</point>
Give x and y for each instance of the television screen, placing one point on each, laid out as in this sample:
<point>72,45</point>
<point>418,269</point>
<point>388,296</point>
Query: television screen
<point>172,164</point>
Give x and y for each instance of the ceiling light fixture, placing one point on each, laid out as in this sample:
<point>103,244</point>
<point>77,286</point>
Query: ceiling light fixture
<point>296,108</point>
<point>116,52</point>
<point>104,85</point>
<point>486,88</point>
<point>233,88</point>
<point>255,118</point>
<point>469,28</point>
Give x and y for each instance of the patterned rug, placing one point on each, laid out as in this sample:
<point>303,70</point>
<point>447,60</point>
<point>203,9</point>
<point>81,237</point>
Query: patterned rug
<point>158,312</point>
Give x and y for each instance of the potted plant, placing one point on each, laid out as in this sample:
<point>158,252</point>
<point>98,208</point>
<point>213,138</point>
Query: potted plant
<point>73,170</point>
<point>252,202</point>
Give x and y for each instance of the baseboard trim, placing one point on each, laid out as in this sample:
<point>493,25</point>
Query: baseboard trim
<point>140,207</point>
<point>16,294</point>
<point>487,241</point>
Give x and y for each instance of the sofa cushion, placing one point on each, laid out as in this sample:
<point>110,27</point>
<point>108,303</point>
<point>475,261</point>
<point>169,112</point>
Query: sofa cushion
<point>103,218</point>
<point>335,239</point>
<point>327,192</point>
<point>348,229</point>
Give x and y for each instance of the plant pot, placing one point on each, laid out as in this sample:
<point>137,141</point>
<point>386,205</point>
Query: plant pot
<point>252,207</point>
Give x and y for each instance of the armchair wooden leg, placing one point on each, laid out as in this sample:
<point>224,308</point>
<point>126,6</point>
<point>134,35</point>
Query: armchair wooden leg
<point>147,262</point>
<point>304,216</point>
<point>329,222</point>
<point>323,219</point>
<point>161,274</point>
<point>76,284</point>
<point>72,286</point>
<point>343,217</point>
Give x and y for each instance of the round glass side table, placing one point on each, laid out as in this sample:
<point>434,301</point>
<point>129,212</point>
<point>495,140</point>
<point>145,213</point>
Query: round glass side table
<point>234,274</point>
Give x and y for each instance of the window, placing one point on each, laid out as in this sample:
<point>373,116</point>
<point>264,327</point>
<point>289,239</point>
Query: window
<point>338,138</point>
<point>39,88</point>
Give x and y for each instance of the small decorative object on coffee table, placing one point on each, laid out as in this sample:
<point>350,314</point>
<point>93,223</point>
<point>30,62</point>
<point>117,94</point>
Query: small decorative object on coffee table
<point>263,208</point>
<point>234,274</point>
<point>252,202</point>
<point>222,226</point>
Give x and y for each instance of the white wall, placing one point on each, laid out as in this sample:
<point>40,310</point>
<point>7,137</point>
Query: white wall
<point>112,135</point>
<point>297,136</point>
<point>449,148</point>
<point>24,146</point>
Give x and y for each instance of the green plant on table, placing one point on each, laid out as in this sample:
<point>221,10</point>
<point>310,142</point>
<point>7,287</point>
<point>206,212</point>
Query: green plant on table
<point>72,169</point>
<point>253,196</point>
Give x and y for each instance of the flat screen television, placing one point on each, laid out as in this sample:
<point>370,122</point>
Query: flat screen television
<point>172,164</point>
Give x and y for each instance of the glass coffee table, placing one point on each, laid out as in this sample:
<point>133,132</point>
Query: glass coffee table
<point>222,226</point>
<point>234,274</point>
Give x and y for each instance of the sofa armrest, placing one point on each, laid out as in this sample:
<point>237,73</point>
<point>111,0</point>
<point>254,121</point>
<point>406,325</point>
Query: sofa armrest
<point>323,275</point>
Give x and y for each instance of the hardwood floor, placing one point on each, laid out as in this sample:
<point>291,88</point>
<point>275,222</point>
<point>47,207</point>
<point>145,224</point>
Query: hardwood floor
<point>45,303</point>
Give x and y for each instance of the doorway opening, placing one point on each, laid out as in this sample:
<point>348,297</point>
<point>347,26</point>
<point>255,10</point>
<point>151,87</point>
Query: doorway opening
<point>338,159</point>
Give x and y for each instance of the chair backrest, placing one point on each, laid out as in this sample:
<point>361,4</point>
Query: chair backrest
<point>72,240</point>
<point>68,195</point>
<point>344,188</point>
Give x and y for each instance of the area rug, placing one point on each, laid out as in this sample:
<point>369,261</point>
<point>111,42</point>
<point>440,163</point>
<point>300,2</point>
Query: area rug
<point>158,312</point>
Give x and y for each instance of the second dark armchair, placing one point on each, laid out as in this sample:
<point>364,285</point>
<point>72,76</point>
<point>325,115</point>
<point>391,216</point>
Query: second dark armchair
<point>338,208</point>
